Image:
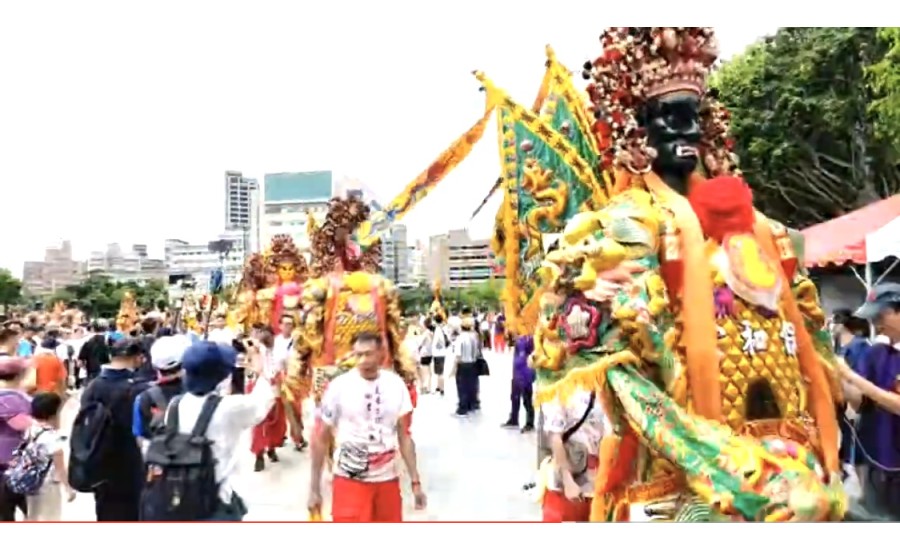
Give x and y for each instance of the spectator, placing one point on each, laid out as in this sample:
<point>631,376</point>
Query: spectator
<point>114,469</point>
<point>46,505</point>
<point>94,353</point>
<point>878,403</point>
<point>15,420</point>
<point>207,368</point>
<point>522,385</point>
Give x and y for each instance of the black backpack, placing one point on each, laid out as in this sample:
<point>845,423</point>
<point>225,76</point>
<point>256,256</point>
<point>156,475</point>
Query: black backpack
<point>92,443</point>
<point>181,470</point>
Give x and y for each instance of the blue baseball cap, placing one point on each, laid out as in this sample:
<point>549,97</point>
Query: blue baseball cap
<point>205,365</point>
<point>878,299</point>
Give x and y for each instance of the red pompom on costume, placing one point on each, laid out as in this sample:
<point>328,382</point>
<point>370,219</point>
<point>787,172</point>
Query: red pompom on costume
<point>724,206</point>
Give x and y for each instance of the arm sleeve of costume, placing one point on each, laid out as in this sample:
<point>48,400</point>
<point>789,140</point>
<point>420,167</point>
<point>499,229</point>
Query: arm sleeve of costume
<point>807,296</point>
<point>614,253</point>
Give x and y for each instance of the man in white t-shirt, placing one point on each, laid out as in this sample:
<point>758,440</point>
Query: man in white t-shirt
<point>366,411</point>
<point>580,425</point>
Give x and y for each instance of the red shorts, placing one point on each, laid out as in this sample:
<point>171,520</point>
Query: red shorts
<point>557,508</point>
<point>354,501</point>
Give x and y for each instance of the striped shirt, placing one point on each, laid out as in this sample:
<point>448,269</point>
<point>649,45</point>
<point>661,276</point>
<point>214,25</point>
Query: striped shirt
<point>467,347</point>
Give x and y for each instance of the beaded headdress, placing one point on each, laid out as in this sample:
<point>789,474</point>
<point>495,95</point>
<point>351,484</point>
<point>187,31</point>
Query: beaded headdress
<point>254,275</point>
<point>283,250</point>
<point>639,64</point>
<point>331,241</point>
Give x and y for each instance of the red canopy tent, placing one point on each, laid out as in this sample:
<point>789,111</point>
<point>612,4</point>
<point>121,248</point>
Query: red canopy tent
<point>843,239</point>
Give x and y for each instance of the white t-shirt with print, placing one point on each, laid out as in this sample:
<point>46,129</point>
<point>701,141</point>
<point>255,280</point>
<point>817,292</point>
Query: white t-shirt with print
<point>52,442</point>
<point>558,419</point>
<point>364,413</point>
<point>440,341</point>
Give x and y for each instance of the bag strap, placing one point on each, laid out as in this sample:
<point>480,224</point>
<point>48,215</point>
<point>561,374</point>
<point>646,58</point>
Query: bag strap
<point>172,416</point>
<point>206,413</point>
<point>571,431</point>
<point>156,395</point>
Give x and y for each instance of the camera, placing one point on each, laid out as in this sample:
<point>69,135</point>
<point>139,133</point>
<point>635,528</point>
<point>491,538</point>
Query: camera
<point>241,346</point>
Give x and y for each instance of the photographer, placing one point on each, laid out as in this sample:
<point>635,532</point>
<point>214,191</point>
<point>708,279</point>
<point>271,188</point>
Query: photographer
<point>207,367</point>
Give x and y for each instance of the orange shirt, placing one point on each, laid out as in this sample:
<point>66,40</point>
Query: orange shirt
<point>50,372</point>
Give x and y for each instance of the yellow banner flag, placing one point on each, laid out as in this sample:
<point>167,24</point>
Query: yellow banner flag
<point>370,231</point>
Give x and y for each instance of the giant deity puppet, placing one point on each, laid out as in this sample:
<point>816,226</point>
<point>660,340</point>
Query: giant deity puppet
<point>346,297</point>
<point>271,289</point>
<point>682,307</point>
<point>128,316</point>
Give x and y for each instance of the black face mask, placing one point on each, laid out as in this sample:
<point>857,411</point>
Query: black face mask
<point>673,129</point>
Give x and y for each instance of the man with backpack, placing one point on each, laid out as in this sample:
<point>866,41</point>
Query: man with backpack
<point>94,353</point>
<point>105,458</point>
<point>192,465</point>
<point>150,406</point>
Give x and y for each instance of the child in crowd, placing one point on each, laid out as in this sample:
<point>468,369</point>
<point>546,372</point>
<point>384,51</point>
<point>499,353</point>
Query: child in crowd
<point>46,505</point>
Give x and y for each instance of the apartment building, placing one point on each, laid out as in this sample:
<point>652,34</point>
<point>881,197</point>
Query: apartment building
<point>459,261</point>
<point>57,270</point>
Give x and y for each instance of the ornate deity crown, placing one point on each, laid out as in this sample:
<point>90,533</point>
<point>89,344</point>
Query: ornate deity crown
<point>637,64</point>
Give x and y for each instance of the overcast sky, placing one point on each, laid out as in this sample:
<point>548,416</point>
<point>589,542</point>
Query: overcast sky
<point>117,123</point>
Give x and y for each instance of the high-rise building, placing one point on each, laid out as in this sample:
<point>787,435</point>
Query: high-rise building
<point>56,271</point>
<point>418,255</point>
<point>238,200</point>
<point>288,198</point>
<point>395,263</point>
<point>241,207</point>
<point>458,261</point>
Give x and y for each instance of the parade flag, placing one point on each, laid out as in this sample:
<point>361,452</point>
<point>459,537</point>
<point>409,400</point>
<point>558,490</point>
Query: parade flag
<point>370,231</point>
<point>546,181</point>
<point>565,108</point>
<point>538,104</point>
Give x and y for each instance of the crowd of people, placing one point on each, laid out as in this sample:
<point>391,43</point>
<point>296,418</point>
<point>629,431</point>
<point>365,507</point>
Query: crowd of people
<point>217,384</point>
<point>128,386</point>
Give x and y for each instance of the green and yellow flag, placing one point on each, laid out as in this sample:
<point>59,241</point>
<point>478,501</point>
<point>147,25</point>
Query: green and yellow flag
<point>545,181</point>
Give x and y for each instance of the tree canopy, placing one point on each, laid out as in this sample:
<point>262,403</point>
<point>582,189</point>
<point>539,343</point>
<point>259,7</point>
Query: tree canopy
<point>99,296</point>
<point>481,296</point>
<point>10,289</point>
<point>815,114</point>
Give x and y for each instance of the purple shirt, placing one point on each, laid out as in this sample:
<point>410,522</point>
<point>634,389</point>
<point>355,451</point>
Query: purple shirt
<point>878,429</point>
<point>12,404</point>
<point>523,375</point>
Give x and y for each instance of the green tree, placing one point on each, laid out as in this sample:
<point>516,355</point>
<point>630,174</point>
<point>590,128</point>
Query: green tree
<point>803,122</point>
<point>415,300</point>
<point>884,76</point>
<point>10,289</point>
<point>99,296</point>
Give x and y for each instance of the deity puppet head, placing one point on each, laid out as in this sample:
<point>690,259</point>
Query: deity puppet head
<point>333,247</point>
<point>254,276</point>
<point>285,261</point>
<point>652,107</point>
